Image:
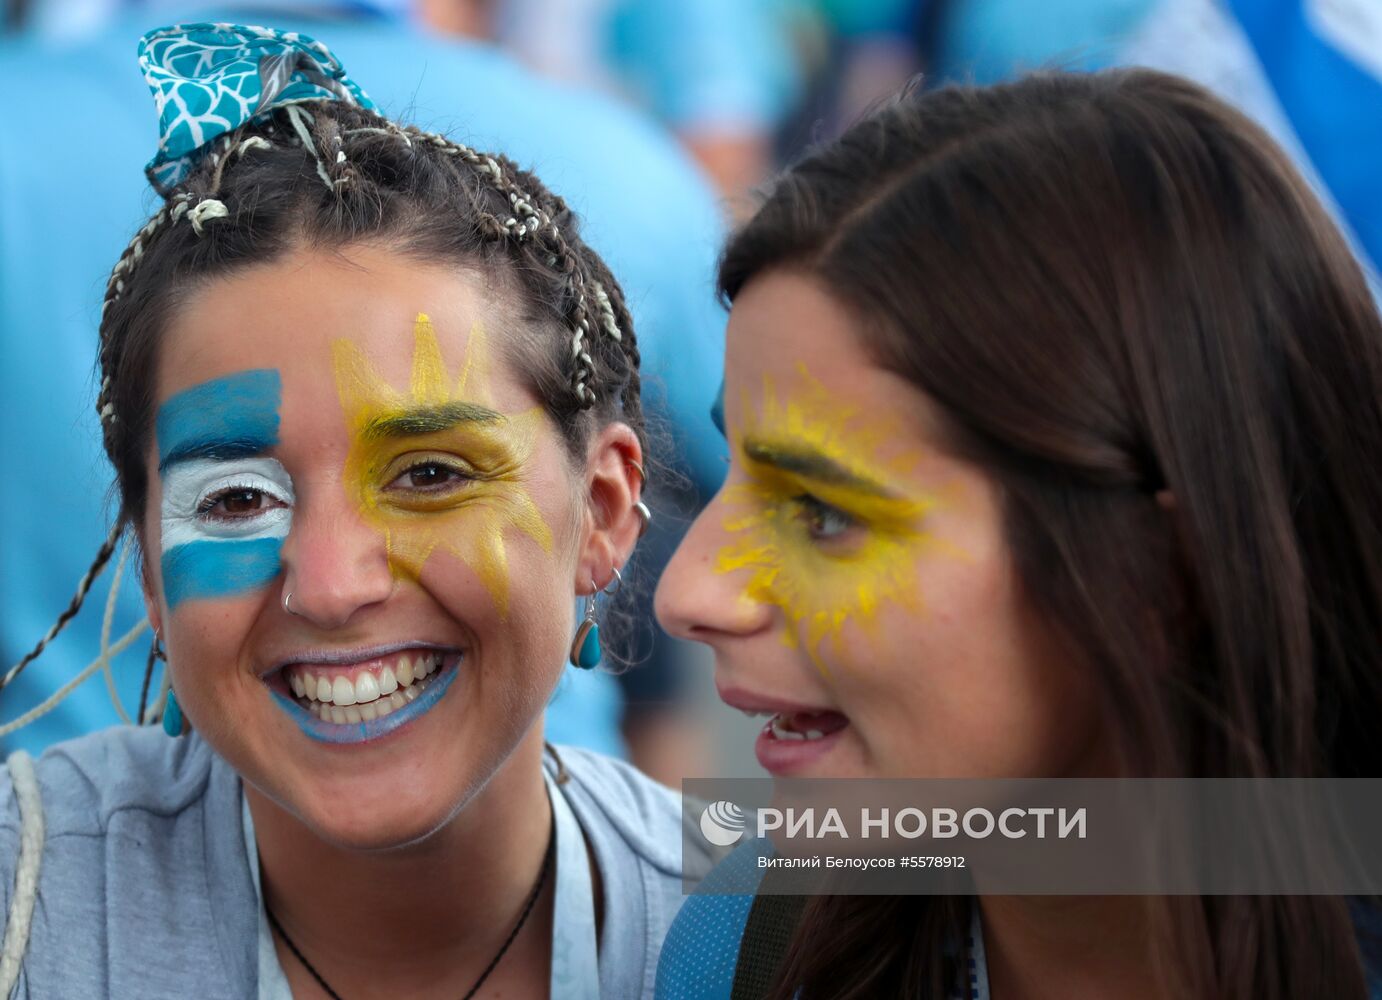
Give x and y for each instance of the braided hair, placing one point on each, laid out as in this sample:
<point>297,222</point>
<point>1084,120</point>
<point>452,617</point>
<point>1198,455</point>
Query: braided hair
<point>327,173</point>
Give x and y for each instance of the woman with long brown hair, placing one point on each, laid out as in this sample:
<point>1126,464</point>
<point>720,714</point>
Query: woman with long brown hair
<point>1056,449</point>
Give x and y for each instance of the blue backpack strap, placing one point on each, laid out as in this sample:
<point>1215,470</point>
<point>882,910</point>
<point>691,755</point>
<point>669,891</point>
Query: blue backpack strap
<point>767,935</point>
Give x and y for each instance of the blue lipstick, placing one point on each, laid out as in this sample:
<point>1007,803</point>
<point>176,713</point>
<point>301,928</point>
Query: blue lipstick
<point>325,731</point>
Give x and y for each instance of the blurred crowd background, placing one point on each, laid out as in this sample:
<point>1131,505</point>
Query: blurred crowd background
<point>736,87</point>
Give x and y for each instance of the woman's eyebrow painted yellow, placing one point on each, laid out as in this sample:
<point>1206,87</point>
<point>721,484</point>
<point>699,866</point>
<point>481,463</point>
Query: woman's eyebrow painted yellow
<point>428,419</point>
<point>806,461</point>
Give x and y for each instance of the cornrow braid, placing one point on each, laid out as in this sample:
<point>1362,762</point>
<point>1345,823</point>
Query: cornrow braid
<point>115,288</point>
<point>531,221</point>
<point>178,204</point>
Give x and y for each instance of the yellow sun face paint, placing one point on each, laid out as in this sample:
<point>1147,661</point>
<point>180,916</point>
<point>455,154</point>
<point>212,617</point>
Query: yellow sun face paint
<point>437,465</point>
<point>812,468</point>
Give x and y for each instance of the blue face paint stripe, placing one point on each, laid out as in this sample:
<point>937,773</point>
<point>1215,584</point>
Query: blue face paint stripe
<point>219,569</point>
<point>330,732</point>
<point>236,413</point>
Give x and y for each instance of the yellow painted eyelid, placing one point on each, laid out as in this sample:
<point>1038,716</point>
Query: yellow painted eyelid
<point>483,454</point>
<point>879,510</point>
<point>464,494</point>
<point>472,484</point>
<point>857,546</point>
<point>391,469</point>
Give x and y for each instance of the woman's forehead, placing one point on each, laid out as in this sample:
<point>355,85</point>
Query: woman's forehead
<point>791,345</point>
<point>293,320</point>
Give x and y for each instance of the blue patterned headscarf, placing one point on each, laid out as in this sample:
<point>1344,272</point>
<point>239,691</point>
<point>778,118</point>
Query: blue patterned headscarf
<point>209,79</point>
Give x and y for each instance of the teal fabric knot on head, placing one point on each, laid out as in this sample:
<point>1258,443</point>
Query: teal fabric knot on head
<point>209,79</point>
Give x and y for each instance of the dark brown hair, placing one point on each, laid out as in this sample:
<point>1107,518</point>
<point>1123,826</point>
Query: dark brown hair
<point>326,174</point>
<point>1111,286</point>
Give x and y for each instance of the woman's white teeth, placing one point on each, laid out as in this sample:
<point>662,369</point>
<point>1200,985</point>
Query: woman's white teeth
<point>781,730</point>
<point>366,688</point>
<point>364,713</point>
<point>342,691</point>
<point>371,689</point>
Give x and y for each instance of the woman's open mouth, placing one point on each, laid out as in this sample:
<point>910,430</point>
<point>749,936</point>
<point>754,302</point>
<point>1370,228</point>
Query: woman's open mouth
<point>349,702</point>
<point>791,742</point>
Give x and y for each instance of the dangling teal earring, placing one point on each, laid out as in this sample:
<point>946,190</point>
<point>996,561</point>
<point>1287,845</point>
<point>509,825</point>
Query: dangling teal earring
<point>585,648</point>
<point>174,724</point>
<point>172,715</point>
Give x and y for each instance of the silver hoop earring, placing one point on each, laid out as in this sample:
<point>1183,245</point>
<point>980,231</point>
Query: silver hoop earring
<point>286,598</point>
<point>618,583</point>
<point>645,517</point>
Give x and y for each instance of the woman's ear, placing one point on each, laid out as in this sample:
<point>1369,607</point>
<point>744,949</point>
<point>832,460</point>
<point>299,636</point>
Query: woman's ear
<point>146,584</point>
<point>614,485</point>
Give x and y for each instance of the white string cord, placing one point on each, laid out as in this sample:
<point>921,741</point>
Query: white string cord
<point>88,578</point>
<point>106,623</point>
<point>296,116</point>
<point>53,700</point>
<point>31,836</point>
<point>204,211</point>
<point>606,310</point>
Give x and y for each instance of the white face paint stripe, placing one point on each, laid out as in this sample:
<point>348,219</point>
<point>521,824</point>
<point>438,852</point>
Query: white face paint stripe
<point>187,484</point>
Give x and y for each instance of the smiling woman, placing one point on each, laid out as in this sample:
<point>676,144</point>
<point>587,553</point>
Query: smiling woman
<point>374,411</point>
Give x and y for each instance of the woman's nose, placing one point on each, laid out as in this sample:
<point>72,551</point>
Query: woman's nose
<point>334,564</point>
<point>696,601</point>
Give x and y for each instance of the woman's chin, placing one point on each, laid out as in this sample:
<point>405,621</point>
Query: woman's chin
<point>389,805</point>
<point>375,826</point>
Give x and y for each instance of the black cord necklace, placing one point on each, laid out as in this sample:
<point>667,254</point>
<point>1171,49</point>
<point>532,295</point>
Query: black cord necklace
<point>522,919</point>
